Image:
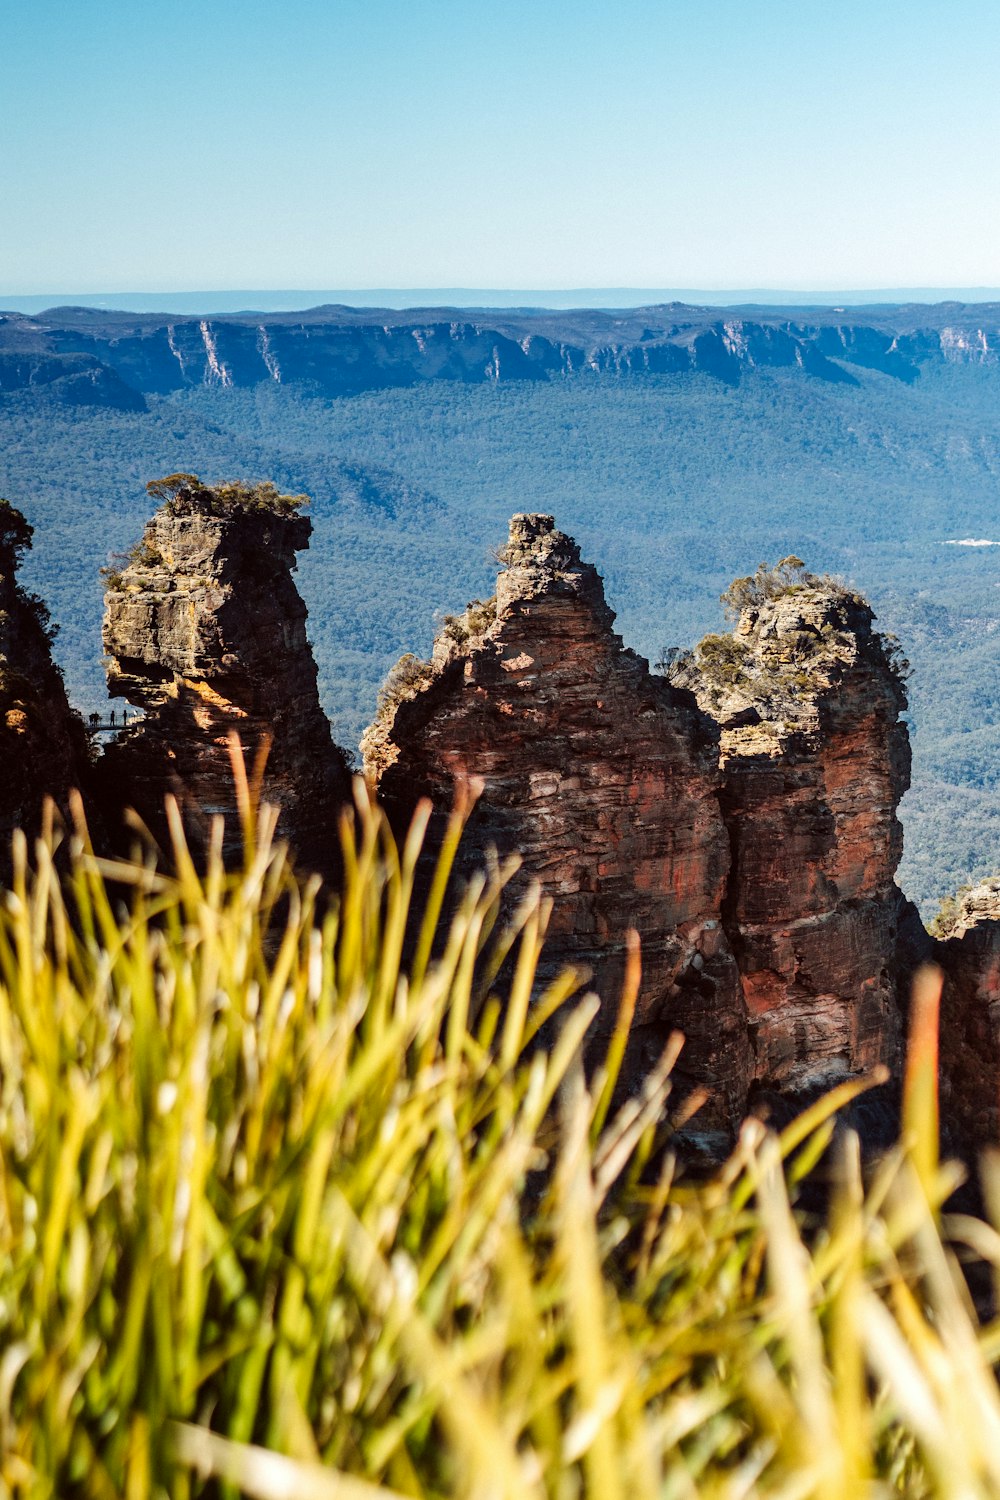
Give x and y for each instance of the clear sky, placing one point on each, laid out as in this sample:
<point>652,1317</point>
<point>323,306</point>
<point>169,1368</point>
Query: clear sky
<point>176,144</point>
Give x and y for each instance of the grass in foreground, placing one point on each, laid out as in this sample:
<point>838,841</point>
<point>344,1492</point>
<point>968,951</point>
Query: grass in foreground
<point>281,1216</point>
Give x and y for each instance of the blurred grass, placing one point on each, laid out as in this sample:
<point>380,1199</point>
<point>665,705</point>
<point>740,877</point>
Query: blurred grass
<point>283,1215</point>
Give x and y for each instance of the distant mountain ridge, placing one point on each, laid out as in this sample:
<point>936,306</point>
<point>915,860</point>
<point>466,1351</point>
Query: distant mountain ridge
<point>216,303</point>
<point>89,356</point>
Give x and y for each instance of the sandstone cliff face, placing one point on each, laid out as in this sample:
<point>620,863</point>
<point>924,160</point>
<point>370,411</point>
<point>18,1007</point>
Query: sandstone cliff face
<point>815,760</point>
<point>205,632</point>
<point>115,358</point>
<point>605,779</point>
<point>969,954</point>
<point>43,744</point>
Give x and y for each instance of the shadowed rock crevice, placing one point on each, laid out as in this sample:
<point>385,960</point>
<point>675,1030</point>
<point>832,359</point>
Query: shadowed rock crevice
<point>205,632</point>
<point>969,953</point>
<point>43,743</point>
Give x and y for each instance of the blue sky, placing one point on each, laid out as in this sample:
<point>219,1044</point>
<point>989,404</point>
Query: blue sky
<point>439,143</point>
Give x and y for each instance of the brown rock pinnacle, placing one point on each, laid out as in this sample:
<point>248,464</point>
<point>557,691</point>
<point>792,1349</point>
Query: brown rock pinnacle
<point>815,759</point>
<point>205,632</point>
<point>601,775</point>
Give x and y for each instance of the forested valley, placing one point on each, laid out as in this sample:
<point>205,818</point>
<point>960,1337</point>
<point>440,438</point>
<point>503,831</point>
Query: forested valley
<point>672,485</point>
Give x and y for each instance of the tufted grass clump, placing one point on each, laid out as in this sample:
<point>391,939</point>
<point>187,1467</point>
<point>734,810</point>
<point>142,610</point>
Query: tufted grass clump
<point>292,1206</point>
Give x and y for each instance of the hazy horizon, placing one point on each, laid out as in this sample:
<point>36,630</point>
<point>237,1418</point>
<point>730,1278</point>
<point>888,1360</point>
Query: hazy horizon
<point>221,301</point>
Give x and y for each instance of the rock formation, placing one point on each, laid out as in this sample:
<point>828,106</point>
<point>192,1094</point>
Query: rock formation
<point>205,633</point>
<point>969,954</point>
<point>604,778</point>
<point>43,744</point>
<point>815,759</point>
<point>739,812</point>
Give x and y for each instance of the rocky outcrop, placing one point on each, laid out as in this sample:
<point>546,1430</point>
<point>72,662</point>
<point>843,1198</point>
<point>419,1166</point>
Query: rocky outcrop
<point>738,813</point>
<point>969,953</point>
<point>601,775</point>
<point>815,758</point>
<point>604,777</point>
<point>205,633</point>
<point>43,743</point>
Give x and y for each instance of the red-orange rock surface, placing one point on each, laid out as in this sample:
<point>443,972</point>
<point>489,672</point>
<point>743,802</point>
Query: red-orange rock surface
<point>815,759</point>
<point>205,632</point>
<point>603,777</point>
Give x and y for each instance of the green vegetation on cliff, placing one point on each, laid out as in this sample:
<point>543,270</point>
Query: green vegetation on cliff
<point>179,490</point>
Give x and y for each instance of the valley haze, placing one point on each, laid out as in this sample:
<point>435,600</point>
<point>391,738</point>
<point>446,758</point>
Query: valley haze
<point>682,442</point>
<point>608,298</point>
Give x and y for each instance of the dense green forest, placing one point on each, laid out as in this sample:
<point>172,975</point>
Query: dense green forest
<point>671,484</point>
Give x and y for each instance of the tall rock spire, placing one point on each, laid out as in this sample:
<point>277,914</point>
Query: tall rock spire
<point>601,775</point>
<point>815,758</point>
<point>205,632</point>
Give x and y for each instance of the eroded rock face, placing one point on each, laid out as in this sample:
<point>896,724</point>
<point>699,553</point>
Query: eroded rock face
<point>602,775</point>
<point>815,759</point>
<point>43,744</point>
<point>206,633</point>
<point>969,954</point>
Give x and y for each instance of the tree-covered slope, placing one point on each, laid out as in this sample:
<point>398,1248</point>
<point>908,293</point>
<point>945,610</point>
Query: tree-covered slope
<point>672,484</point>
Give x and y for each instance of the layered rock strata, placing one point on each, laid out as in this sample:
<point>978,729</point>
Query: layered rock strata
<point>815,758</point>
<point>601,775</point>
<point>205,633</point>
<point>43,743</point>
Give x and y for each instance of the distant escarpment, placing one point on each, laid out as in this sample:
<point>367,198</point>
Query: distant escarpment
<point>71,379</point>
<point>43,743</point>
<point>603,777</point>
<point>91,356</point>
<point>204,631</point>
<point>815,759</point>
